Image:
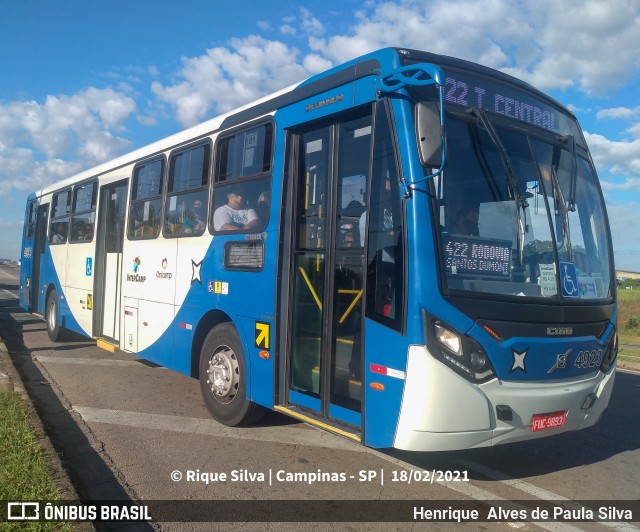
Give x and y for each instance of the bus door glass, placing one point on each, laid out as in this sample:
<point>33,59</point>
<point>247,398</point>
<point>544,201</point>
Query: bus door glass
<point>37,255</point>
<point>108,268</point>
<point>328,270</point>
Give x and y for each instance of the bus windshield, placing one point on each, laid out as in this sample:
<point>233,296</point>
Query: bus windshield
<point>519,213</point>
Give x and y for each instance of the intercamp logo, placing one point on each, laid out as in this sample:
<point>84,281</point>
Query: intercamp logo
<point>135,277</point>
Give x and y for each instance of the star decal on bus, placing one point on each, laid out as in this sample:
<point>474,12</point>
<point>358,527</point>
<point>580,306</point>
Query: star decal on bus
<point>195,271</point>
<point>518,360</point>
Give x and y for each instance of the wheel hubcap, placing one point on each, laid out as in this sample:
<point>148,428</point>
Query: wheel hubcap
<point>223,374</point>
<point>52,316</point>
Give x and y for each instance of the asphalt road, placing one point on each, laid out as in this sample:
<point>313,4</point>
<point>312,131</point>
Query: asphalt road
<point>127,429</point>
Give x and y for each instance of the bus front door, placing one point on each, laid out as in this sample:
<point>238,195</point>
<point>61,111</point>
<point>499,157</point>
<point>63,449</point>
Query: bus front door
<point>108,267</point>
<point>329,168</point>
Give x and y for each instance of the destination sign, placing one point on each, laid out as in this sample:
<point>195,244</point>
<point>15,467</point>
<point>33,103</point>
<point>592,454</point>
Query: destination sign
<point>468,255</point>
<point>471,90</point>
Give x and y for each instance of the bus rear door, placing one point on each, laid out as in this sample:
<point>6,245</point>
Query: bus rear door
<point>37,257</point>
<point>108,267</point>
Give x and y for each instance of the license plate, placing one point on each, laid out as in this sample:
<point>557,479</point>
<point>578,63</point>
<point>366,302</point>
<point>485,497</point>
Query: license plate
<point>552,420</point>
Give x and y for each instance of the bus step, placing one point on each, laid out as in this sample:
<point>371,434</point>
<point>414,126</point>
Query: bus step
<point>107,345</point>
<point>341,430</point>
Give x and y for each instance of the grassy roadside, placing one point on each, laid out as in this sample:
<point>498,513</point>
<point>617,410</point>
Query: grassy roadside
<point>24,471</point>
<point>629,323</point>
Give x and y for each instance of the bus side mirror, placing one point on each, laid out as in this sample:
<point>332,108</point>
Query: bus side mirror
<point>429,132</point>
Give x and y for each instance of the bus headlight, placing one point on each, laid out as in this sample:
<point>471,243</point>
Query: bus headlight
<point>448,338</point>
<point>461,353</point>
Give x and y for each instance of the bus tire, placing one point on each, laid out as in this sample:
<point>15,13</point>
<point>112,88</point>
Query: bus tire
<point>52,317</point>
<point>223,378</point>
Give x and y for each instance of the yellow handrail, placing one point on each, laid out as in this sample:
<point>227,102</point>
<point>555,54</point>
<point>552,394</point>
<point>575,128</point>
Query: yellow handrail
<point>313,292</point>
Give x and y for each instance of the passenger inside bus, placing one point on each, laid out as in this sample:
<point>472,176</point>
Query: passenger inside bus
<point>59,234</point>
<point>193,222</point>
<point>235,215</point>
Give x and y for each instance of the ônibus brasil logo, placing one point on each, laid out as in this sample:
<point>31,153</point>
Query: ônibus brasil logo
<point>136,277</point>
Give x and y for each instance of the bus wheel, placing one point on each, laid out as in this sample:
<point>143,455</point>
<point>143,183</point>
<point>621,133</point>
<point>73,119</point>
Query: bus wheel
<point>223,378</point>
<point>54,330</point>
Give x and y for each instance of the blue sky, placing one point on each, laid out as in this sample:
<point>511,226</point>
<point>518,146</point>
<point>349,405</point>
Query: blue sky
<point>84,80</point>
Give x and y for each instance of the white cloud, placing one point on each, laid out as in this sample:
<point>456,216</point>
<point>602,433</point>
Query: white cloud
<point>583,44</point>
<point>263,25</point>
<point>310,24</point>
<point>287,29</point>
<point>618,157</point>
<point>624,113</point>
<point>36,138</point>
<point>553,44</point>
<point>634,130</point>
<point>227,77</point>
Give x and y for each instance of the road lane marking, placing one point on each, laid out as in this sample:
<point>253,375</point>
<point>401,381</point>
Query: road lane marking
<point>479,494</point>
<point>12,295</point>
<point>291,435</point>
<point>539,493</point>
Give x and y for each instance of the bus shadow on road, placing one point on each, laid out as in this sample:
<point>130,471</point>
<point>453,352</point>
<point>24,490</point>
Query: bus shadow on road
<point>80,453</point>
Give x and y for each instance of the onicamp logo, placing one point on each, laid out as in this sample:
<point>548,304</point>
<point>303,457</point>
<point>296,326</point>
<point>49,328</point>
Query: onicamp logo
<point>164,275</point>
<point>136,278</point>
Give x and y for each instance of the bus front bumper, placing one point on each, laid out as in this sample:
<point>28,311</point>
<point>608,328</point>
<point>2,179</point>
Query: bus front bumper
<point>452,413</point>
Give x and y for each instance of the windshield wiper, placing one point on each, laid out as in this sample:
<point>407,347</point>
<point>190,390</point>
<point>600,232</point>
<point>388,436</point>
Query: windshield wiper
<point>521,202</point>
<point>571,143</point>
<point>558,200</point>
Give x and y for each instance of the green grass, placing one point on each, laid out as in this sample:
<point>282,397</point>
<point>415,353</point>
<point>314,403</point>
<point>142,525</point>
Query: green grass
<point>629,313</point>
<point>24,470</point>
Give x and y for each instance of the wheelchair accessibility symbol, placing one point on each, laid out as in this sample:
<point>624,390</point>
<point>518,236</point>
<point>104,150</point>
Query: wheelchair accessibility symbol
<point>569,277</point>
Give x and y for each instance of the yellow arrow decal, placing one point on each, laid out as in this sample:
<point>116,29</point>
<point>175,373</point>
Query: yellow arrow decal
<point>262,335</point>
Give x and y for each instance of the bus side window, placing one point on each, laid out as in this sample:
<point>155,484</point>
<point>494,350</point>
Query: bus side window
<point>385,268</point>
<point>59,227</point>
<point>83,212</point>
<point>242,191</point>
<point>185,212</point>
<point>145,216</point>
<point>31,219</point>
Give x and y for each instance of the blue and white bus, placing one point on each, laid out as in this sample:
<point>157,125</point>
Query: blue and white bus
<point>409,250</point>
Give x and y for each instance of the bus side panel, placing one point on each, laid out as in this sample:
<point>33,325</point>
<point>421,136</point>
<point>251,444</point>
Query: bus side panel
<point>247,297</point>
<point>53,272</point>
<point>184,326</point>
<point>385,348</point>
<point>259,370</point>
<point>79,288</point>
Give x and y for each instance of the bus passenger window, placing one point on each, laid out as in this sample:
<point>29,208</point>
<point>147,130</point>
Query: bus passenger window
<point>185,212</point>
<point>31,219</point>
<point>83,212</point>
<point>242,192</point>
<point>60,217</point>
<point>145,215</point>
